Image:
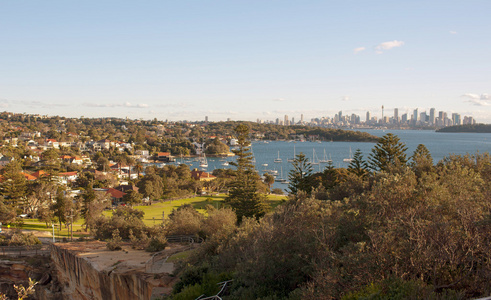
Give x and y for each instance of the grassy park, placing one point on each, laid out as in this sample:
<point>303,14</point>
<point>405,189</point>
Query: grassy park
<point>153,213</point>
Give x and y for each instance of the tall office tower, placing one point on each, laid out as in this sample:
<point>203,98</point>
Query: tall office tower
<point>277,121</point>
<point>441,115</point>
<point>286,120</point>
<point>432,116</point>
<point>382,112</point>
<point>415,116</point>
<point>353,119</point>
<point>456,119</point>
<point>293,121</point>
<point>206,119</point>
<point>423,117</point>
<point>258,120</point>
<point>404,118</point>
<point>469,120</point>
<point>368,117</point>
<point>301,119</point>
<point>340,115</point>
<point>396,115</point>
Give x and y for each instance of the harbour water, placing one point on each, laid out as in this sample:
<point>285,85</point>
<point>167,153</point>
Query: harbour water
<point>440,145</point>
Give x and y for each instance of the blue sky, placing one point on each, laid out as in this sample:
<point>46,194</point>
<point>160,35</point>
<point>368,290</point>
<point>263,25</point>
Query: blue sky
<point>184,60</point>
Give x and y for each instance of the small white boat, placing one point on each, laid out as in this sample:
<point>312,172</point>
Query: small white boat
<point>350,159</point>
<point>278,160</point>
<point>325,159</point>
<point>203,163</point>
<point>294,154</point>
<point>225,164</point>
<point>315,159</point>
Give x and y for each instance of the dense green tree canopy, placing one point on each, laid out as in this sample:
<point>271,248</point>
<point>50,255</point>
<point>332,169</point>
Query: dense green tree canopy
<point>387,153</point>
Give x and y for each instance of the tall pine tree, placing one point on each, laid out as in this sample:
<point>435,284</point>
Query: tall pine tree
<point>300,176</point>
<point>387,153</point>
<point>244,196</point>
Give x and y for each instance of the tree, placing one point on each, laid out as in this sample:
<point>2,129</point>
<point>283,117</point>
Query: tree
<point>389,152</point>
<point>14,185</point>
<point>216,147</point>
<point>7,213</point>
<point>62,207</point>
<point>138,168</point>
<point>151,186</point>
<point>300,176</point>
<point>421,160</point>
<point>102,164</point>
<point>132,197</point>
<point>244,197</point>
<point>269,180</point>
<point>92,206</point>
<point>358,166</point>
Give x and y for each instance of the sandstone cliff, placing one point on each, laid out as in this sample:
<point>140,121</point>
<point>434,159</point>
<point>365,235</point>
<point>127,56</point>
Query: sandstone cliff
<point>90,271</point>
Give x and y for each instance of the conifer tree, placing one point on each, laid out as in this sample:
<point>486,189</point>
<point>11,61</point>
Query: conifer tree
<point>14,184</point>
<point>244,196</point>
<point>300,177</point>
<point>388,152</point>
<point>358,166</point>
<point>421,160</point>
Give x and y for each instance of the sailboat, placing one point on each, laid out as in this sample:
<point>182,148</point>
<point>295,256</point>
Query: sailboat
<point>278,160</point>
<point>350,156</point>
<point>281,179</point>
<point>203,163</point>
<point>325,159</point>
<point>294,154</point>
<point>314,160</point>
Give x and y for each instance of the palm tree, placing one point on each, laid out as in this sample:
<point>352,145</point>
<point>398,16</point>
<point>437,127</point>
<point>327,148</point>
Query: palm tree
<point>139,169</point>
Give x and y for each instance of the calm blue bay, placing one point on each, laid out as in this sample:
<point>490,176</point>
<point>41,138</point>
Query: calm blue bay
<point>440,145</point>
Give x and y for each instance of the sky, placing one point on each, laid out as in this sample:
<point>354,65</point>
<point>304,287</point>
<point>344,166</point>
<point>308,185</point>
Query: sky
<point>244,60</point>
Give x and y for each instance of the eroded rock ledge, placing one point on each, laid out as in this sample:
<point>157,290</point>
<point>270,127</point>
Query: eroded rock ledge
<point>87,270</point>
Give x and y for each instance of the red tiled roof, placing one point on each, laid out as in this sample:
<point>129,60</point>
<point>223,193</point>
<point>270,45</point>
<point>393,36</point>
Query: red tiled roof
<point>196,174</point>
<point>28,176</point>
<point>115,193</point>
<point>39,173</point>
<point>163,154</point>
<point>68,173</point>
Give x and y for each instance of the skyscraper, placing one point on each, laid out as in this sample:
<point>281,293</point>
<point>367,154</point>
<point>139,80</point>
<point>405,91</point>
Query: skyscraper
<point>415,116</point>
<point>301,119</point>
<point>286,122</point>
<point>368,117</point>
<point>432,116</point>
<point>396,115</point>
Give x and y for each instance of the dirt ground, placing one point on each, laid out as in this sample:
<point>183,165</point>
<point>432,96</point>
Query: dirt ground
<point>127,259</point>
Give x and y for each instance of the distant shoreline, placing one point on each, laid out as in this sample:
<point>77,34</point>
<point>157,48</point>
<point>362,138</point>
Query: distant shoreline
<point>474,128</point>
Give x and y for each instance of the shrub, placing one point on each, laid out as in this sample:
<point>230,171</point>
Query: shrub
<point>114,243</point>
<point>17,238</point>
<point>157,243</point>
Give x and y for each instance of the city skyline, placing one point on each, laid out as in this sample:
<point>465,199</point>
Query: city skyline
<point>243,61</point>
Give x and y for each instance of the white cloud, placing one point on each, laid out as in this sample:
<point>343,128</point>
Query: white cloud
<point>125,104</point>
<point>388,45</point>
<point>453,32</point>
<point>37,104</point>
<point>279,99</point>
<point>359,49</point>
<point>478,100</point>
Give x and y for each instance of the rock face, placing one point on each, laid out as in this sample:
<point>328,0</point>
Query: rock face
<point>87,274</point>
<point>19,270</point>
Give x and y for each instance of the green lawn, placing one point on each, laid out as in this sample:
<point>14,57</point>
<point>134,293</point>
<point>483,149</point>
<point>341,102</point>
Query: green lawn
<point>155,210</point>
<point>35,224</point>
<point>151,211</point>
